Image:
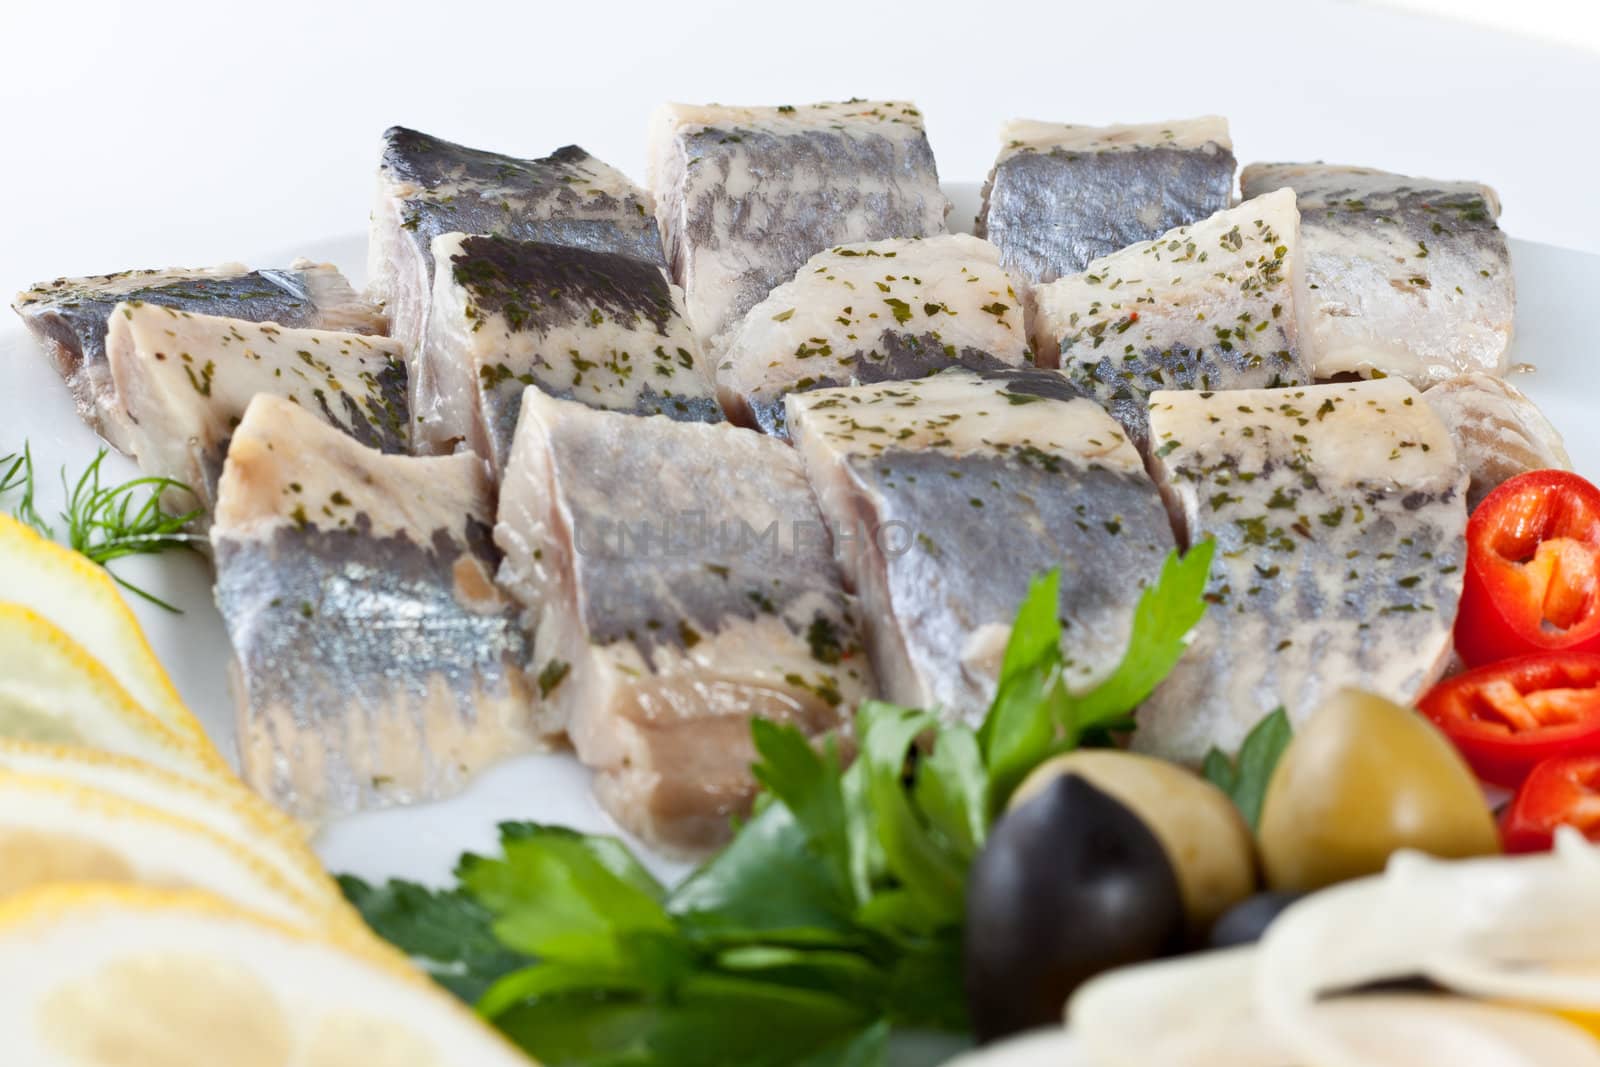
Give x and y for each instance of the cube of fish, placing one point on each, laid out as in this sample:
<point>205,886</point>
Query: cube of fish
<point>673,602</point>
<point>1061,196</point>
<point>69,316</point>
<point>745,195</point>
<point>1209,306</point>
<point>1499,433</point>
<point>879,311</point>
<point>1407,277</point>
<point>428,186</point>
<point>376,662</point>
<point>956,490</point>
<point>1339,515</point>
<point>605,329</point>
<point>184,381</point>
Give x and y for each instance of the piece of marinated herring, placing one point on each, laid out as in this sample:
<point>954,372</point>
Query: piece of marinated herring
<point>745,195</point>
<point>428,186</point>
<point>1405,277</point>
<point>879,311</point>
<point>1060,196</point>
<point>601,328</point>
<point>1499,432</point>
<point>1339,515</point>
<point>1209,306</point>
<point>69,317</point>
<point>376,662</point>
<point>948,494</point>
<point>184,381</point>
<point>672,602</point>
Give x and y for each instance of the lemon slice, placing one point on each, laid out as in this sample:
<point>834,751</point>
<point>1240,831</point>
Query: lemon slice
<point>52,691</point>
<point>136,977</point>
<point>55,830</point>
<point>232,812</point>
<point>82,600</point>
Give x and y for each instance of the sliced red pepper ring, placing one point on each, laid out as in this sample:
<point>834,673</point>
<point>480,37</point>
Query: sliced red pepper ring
<point>1532,580</point>
<point>1509,717</point>
<point>1559,792</point>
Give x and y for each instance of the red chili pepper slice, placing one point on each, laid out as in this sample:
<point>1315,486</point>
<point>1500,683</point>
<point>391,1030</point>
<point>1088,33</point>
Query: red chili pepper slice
<point>1532,581</point>
<point>1559,792</point>
<point>1511,716</point>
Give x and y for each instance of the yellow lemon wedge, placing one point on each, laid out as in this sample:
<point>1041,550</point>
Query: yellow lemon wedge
<point>53,691</point>
<point>56,830</point>
<point>229,811</point>
<point>81,599</point>
<point>118,976</point>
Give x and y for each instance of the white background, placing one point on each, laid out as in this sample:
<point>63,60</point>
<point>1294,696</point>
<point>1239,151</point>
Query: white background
<point>156,134</point>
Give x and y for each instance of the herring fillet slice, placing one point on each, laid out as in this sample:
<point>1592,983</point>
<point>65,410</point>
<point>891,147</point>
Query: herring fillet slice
<point>184,381</point>
<point>375,660</point>
<point>1340,518</point>
<point>69,317</point>
<point>957,490</point>
<point>882,310</point>
<point>1060,196</point>
<point>1208,306</point>
<point>428,186</point>
<point>1410,277</point>
<point>598,327</point>
<point>745,195</point>
<point>1499,433</point>
<point>679,582</point>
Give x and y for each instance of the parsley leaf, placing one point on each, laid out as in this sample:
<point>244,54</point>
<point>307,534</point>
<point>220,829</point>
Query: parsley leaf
<point>1246,779</point>
<point>446,932</point>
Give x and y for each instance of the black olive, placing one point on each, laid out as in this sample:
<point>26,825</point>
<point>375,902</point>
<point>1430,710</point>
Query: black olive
<point>1070,884</point>
<point>1246,921</point>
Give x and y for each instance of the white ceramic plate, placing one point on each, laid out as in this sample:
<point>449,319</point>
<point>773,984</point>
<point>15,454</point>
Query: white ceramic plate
<point>1554,332</point>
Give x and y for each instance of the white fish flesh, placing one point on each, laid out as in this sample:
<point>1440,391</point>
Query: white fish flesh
<point>1499,433</point>
<point>184,381</point>
<point>964,488</point>
<point>679,582</point>
<point>605,329</point>
<point>745,195</point>
<point>69,316</point>
<point>428,186</point>
<point>1061,196</point>
<point>879,311</point>
<point>1339,515</point>
<point>1209,306</point>
<point>1407,277</point>
<point>376,662</point>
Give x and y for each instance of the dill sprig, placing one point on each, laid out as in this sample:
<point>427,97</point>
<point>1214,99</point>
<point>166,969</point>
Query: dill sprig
<point>107,522</point>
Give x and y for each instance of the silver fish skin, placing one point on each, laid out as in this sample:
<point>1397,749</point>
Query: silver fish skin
<point>1208,306</point>
<point>876,311</point>
<point>428,186</point>
<point>376,662</point>
<point>1499,433</point>
<point>957,490</point>
<point>1406,277</point>
<point>185,380</point>
<point>745,195</point>
<point>678,582</point>
<point>69,316</point>
<point>1339,514</point>
<point>1060,196</point>
<point>604,329</point>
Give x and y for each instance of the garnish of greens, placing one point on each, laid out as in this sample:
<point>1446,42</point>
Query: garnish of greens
<point>832,917</point>
<point>105,522</point>
<point>1245,778</point>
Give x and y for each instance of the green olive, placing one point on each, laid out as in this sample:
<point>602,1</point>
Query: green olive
<point>1199,828</point>
<point>1363,778</point>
